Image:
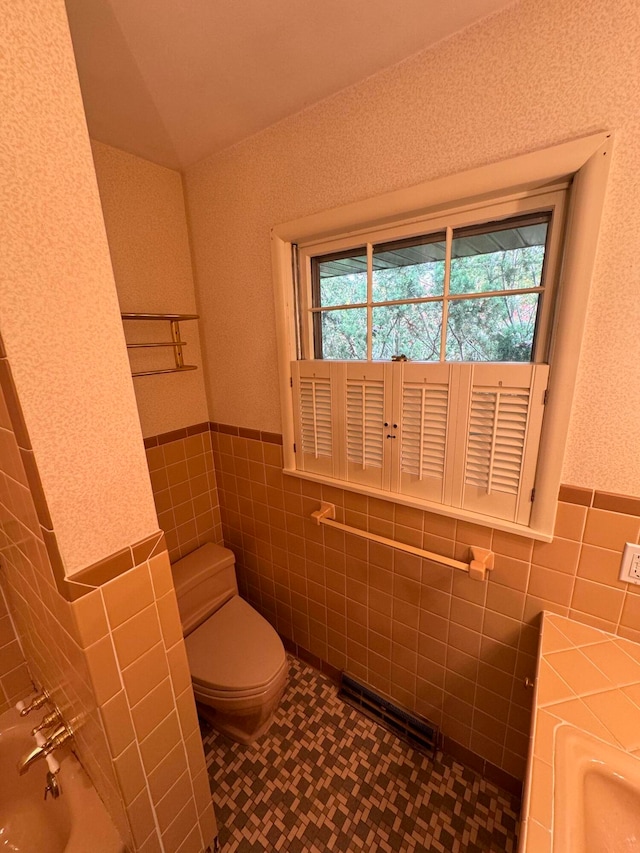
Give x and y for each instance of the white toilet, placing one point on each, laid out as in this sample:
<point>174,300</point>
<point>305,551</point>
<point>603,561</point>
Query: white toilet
<point>238,664</point>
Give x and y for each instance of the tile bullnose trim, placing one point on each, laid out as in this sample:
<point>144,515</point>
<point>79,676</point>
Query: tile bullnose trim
<point>612,502</point>
<point>575,495</point>
<point>597,499</point>
<point>211,426</point>
<point>113,566</point>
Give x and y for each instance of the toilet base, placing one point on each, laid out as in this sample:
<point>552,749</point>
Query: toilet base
<point>239,729</point>
<point>244,724</point>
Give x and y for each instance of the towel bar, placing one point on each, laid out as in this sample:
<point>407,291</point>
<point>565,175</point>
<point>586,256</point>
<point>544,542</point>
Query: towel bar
<point>481,559</point>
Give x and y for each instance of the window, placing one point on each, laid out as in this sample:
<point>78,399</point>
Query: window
<point>429,358</point>
<point>469,294</point>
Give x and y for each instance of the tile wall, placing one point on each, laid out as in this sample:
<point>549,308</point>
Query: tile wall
<point>448,647</point>
<point>109,648</point>
<point>15,680</point>
<point>129,629</point>
<point>184,488</point>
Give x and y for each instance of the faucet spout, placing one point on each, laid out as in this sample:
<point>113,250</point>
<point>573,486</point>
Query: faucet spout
<point>30,758</point>
<point>56,740</point>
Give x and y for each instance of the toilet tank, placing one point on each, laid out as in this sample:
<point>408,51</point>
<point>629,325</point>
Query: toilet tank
<point>204,581</point>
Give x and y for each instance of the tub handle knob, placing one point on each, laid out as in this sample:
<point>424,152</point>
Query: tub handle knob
<point>37,702</point>
<point>529,682</point>
<point>52,719</point>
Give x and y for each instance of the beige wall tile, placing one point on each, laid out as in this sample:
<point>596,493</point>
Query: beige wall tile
<point>208,826</point>
<point>90,617</point>
<point>597,600</point>
<point>141,818</point>
<point>130,774</point>
<point>551,585</point>
<point>103,669</point>
<point>117,723</point>
<point>193,842</point>
<point>600,564</point>
<point>136,636</point>
<point>179,794</point>
<point>179,668</point>
<point>152,709</point>
<point>160,741</point>
<point>610,529</point>
<point>630,617</point>
<point>560,554</point>
<point>127,595</point>
<point>172,767</point>
<point>510,572</point>
<point>145,673</point>
<point>186,706</point>
<point>570,521</point>
<point>511,545</point>
<point>501,599</point>
<point>174,836</point>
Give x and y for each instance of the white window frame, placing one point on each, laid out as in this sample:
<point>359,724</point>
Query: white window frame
<point>586,162</point>
<point>551,198</point>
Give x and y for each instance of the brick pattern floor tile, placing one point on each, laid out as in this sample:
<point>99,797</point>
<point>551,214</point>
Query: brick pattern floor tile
<point>326,778</point>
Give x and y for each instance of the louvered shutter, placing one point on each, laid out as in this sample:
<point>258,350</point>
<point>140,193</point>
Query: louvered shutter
<point>505,404</point>
<point>365,390</point>
<point>314,416</point>
<point>424,450</point>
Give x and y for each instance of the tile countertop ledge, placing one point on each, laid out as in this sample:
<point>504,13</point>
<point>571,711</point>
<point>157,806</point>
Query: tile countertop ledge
<point>590,680</point>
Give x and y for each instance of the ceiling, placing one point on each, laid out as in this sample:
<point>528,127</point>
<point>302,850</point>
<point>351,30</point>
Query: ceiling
<point>176,80</point>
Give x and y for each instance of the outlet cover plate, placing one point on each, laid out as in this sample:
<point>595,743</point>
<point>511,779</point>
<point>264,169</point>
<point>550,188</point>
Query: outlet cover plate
<point>630,565</point>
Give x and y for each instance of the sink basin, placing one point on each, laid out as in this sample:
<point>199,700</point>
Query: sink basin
<point>596,796</point>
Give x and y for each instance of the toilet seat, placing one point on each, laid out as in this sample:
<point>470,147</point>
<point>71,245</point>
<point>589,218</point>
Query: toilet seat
<point>235,653</point>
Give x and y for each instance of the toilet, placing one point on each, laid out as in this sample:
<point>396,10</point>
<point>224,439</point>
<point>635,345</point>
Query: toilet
<point>238,664</point>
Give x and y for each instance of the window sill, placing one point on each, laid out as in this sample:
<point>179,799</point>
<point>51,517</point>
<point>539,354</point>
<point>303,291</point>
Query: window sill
<point>427,506</point>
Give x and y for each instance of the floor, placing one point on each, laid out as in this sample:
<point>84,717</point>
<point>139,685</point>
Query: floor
<point>326,778</point>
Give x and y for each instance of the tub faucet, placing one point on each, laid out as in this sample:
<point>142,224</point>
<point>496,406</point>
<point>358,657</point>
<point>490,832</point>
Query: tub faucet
<point>60,736</point>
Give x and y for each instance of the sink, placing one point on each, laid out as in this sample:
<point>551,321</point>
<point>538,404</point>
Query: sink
<point>596,800</point>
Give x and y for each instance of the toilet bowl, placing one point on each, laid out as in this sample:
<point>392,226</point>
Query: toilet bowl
<point>238,664</point>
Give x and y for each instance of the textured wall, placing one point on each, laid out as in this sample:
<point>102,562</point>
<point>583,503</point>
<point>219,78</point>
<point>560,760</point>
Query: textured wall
<point>536,74</point>
<point>59,312</point>
<point>144,216</point>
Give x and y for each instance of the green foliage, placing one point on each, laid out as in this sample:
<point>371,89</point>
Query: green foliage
<point>499,327</point>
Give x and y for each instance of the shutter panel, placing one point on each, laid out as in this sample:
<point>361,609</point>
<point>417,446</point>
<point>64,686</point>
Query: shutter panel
<point>366,400</point>
<point>313,416</point>
<point>504,418</point>
<point>425,401</point>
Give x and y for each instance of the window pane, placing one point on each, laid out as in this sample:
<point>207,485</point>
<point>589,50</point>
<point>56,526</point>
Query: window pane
<point>411,330</point>
<point>409,269</point>
<point>342,280</point>
<point>344,333</point>
<point>499,328</point>
<point>499,259</point>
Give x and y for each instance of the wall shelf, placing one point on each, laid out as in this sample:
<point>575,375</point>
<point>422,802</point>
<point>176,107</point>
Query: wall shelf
<point>175,343</point>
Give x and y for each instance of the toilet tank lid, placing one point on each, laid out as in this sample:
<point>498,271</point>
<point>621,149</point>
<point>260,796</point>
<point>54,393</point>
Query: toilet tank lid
<point>199,564</point>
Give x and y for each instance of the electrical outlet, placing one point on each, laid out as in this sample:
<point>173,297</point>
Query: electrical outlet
<point>630,565</point>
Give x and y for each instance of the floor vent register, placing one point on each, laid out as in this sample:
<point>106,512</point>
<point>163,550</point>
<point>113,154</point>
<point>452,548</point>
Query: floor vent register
<point>412,728</point>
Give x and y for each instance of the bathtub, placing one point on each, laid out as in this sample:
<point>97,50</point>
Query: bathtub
<point>76,822</point>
